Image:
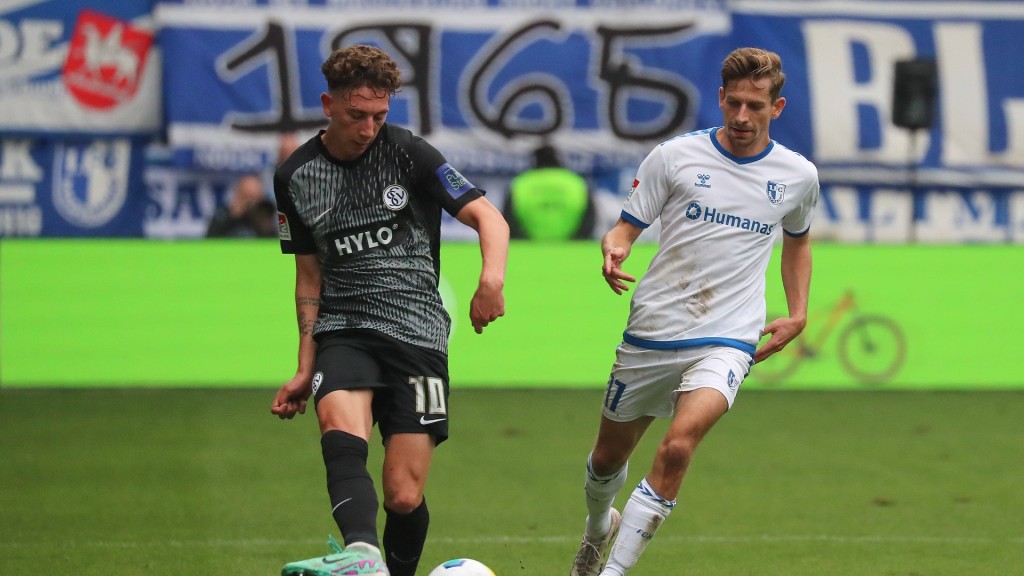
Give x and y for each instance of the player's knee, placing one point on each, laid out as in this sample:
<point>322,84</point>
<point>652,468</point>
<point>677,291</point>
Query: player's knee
<point>677,452</point>
<point>606,461</point>
<point>403,501</point>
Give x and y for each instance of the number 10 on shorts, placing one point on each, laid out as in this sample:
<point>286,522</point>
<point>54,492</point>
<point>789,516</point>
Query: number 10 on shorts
<point>429,394</point>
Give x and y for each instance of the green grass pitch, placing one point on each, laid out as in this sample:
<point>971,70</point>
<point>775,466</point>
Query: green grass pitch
<point>172,482</point>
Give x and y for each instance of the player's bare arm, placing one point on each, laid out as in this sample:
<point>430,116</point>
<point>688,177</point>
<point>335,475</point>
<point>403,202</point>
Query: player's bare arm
<point>796,281</point>
<point>489,299</point>
<point>291,398</point>
<point>616,246</point>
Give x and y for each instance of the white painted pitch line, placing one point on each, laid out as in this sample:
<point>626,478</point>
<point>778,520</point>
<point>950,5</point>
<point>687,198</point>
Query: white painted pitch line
<point>752,539</point>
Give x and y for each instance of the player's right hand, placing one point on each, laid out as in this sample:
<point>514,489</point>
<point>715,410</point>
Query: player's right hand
<point>612,270</point>
<point>291,398</point>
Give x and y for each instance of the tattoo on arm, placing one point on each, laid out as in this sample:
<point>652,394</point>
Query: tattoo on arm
<point>307,301</point>
<point>306,323</point>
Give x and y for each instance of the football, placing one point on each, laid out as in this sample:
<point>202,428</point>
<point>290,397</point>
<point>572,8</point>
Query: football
<point>462,567</point>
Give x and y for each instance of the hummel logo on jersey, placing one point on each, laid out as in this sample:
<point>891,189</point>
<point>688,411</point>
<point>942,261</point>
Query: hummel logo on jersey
<point>695,212</point>
<point>424,421</point>
<point>703,181</point>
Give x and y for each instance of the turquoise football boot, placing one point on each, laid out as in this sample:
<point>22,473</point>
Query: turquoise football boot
<point>358,559</point>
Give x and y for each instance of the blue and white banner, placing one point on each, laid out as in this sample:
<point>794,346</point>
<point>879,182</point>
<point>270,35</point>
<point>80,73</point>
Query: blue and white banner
<point>486,81</point>
<point>486,84</point>
<point>180,202</point>
<point>840,60</point>
<point>72,187</point>
<point>78,67</point>
<point>868,213</point>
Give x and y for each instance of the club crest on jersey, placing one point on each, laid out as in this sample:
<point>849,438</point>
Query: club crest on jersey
<point>395,197</point>
<point>776,192</point>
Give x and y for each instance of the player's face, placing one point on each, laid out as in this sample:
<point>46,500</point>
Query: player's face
<point>747,110</point>
<point>355,119</point>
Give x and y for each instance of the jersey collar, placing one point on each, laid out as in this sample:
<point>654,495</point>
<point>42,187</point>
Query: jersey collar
<point>738,159</point>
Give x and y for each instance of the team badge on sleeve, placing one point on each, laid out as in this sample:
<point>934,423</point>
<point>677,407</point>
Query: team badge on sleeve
<point>284,231</point>
<point>455,183</point>
<point>776,192</point>
<point>632,189</point>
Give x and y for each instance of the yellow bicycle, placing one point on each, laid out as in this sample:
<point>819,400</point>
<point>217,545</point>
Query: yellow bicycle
<point>871,348</point>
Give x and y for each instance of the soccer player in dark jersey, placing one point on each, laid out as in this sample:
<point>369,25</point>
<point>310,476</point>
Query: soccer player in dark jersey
<point>359,205</point>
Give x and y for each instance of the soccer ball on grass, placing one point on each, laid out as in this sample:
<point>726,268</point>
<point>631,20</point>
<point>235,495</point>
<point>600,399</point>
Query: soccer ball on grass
<point>462,567</point>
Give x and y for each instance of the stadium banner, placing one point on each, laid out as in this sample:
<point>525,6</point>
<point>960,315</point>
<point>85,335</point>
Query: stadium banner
<point>180,202</point>
<point>220,313</point>
<point>71,187</point>
<point>960,179</point>
<point>479,81</point>
<point>868,214</point>
<point>482,85</point>
<point>78,68</point>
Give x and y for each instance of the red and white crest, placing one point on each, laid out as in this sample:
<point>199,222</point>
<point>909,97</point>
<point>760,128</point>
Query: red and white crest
<point>106,59</point>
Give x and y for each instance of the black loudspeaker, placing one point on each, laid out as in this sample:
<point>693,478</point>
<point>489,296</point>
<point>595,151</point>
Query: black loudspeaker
<point>914,91</point>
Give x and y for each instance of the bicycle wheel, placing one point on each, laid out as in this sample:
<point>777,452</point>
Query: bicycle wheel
<point>872,349</point>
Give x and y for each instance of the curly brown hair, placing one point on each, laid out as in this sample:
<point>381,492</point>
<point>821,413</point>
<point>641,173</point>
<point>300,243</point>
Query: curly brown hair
<point>756,64</point>
<point>357,66</point>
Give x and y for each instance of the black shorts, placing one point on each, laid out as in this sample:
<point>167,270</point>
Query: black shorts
<point>410,382</point>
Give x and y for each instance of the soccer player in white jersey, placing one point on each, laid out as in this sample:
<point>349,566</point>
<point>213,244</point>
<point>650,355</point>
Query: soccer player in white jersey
<point>724,195</point>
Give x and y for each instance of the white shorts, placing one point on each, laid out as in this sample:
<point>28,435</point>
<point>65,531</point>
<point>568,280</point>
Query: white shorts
<point>646,382</point>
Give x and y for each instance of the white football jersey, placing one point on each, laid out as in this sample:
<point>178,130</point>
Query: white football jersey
<point>720,217</point>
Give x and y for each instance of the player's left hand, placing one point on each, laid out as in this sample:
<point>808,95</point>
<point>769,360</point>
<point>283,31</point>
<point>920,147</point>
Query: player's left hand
<point>487,305</point>
<point>780,331</point>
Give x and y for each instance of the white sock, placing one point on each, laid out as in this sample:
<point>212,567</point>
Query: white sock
<point>600,492</point>
<point>641,517</point>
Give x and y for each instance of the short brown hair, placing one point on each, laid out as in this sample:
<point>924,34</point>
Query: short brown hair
<point>755,64</point>
<point>358,66</point>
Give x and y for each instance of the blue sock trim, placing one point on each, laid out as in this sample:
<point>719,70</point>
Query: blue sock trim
<point>645,488</point>
<point>598,479</point>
